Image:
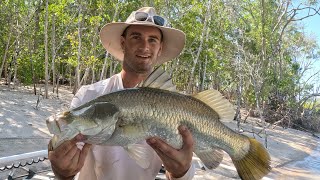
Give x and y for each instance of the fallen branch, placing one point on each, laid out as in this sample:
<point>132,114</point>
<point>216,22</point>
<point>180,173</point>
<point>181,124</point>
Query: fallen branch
<point>252,132</point>
<point>38,100</point>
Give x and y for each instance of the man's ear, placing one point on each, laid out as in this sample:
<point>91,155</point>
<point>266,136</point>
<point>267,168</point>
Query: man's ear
<point>122,39</point>
<point>160,50</point>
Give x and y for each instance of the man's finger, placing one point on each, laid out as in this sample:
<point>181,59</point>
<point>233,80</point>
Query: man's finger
<point>65,147</point>
<point>160,145</point>
<point>83,154</point>
<point>72,153</point>
<point>75,157</point>
<point>164,157</point>
<point>186,138</point>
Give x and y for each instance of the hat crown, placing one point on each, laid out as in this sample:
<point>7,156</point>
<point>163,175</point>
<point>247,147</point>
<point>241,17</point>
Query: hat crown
<point>149,10</point>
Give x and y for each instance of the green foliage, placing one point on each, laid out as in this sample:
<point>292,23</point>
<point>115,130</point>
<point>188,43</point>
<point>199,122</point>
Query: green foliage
<point>244,47</point>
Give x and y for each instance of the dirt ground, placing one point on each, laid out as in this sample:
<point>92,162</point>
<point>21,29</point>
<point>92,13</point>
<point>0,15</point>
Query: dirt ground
<point>294,154</point>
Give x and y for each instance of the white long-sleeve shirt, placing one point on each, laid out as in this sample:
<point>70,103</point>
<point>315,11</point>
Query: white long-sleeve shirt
<point>113,162</point>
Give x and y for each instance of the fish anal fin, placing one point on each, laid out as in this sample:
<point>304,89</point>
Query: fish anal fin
<point>219,104</point>
<point>255,164</point>
<point>141,154</point>
<point>159,79</point>
<point>210,158</point>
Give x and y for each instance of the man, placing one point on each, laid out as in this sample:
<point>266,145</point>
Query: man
<point>142,42</point>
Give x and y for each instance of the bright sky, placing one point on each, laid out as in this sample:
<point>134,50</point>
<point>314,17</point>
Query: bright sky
<point>312,28</point>
<point>312,25</point>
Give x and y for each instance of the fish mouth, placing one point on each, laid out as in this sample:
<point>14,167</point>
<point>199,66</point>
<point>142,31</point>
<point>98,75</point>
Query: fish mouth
<point>56,123</point>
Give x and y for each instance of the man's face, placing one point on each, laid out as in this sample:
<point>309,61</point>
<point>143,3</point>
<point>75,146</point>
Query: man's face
<point>141,46</point>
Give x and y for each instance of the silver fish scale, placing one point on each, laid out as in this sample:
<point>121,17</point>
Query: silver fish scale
<point>155,112</point>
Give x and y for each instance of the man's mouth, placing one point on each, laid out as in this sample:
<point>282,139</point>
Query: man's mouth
<point>143,56</point>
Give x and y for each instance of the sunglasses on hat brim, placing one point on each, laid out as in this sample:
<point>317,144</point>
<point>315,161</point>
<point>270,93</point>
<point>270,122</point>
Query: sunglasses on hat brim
<point>143,16</point>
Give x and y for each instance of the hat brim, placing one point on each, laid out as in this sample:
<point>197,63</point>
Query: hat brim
<point>173,40</point>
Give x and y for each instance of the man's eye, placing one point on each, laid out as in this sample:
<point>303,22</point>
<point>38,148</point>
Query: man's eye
<point>135,37</point>
<point>153,40</point>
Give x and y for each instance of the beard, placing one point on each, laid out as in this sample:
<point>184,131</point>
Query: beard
<point>139,65</point>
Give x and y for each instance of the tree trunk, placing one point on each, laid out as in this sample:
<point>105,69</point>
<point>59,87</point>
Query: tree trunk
<point>36,39</point>
<point>70,75</point>
<point>33,76</point>
<point>204,68</point>
<point>37,26</point>
<point>93,80</point>
<point>16,53</point>
<point>113,71</point>
<point>202,38</point>
<point>77,80</point>
<point>15,57</point>
<point>85,77</point>
<point>110,68</point>
<point>31,63</point>
<point>94,47</point>
<point>46,51</point>
<point>57,90</point>
<point>203,74</point>
<point>103,71</point>
<point>53,53</point>
<point>8,81</point>
<point>5,53</point>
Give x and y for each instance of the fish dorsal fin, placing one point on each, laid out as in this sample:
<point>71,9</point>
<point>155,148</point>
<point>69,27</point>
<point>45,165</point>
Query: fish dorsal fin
<point>141,154</point>
<point>218,103</point>
<point>159,79</point>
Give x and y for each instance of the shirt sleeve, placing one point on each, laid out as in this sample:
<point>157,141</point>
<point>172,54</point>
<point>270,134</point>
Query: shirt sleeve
<point>189,174</point>
<point>89,92</point>
<point>85,94</point>
<point>77,99</point>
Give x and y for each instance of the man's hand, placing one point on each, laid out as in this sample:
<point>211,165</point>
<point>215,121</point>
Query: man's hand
<point>67,160</point>
<point>176,161</point>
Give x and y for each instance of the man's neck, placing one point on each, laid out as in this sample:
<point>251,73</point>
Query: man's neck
<point>131,79</point>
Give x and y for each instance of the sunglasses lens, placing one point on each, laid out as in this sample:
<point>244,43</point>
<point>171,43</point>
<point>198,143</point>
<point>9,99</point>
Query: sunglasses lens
<point>158,20</point>
<point>141,16</point>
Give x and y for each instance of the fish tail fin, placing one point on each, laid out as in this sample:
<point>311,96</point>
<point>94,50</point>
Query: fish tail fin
<point>255,164</point>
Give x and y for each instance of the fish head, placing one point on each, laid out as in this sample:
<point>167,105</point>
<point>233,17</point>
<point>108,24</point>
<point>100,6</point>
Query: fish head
<point>96,121</point>
<point>56,123</point>
<point>58,126</point>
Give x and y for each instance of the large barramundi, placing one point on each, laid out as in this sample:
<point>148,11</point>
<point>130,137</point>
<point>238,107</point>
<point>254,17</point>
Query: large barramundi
<point>128,116</point>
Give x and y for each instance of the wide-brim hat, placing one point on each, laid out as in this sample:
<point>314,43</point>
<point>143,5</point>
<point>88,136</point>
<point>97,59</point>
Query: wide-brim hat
<point>173,40</point>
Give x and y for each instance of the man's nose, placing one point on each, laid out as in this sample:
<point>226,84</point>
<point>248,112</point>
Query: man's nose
<point>144,44</point>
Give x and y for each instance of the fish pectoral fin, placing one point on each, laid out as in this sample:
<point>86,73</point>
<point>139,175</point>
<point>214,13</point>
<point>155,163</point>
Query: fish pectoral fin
<point>141,154</point>
<point>210,158</point>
